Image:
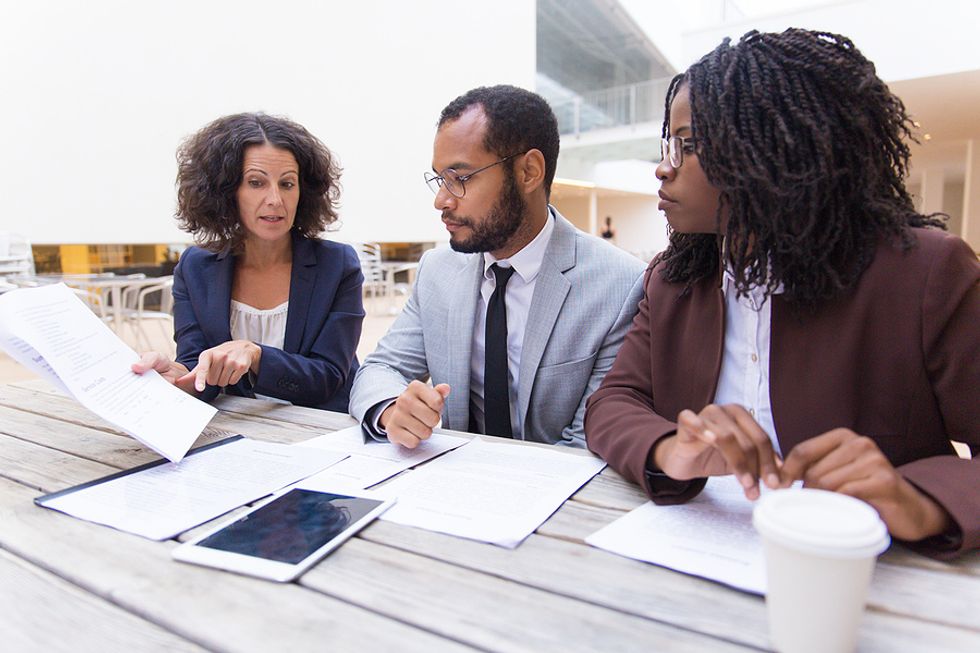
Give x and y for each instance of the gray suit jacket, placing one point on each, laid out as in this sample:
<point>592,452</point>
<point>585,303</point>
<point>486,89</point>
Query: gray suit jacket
<point>584,300</point>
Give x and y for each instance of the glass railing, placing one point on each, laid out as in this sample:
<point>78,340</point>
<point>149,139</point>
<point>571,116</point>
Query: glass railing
<point>612,107</point>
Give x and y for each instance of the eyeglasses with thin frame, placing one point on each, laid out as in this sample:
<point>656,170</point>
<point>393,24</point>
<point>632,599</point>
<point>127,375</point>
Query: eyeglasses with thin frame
<point>456,183</point>
<point>673,149</point>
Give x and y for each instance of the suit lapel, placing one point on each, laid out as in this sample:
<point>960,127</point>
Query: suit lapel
<point>459,339</point>
<point>550,290</point>
<point>302,283</point>
<point>218,280</point>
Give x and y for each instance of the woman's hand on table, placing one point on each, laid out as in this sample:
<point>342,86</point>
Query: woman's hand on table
<point>843,461</point>
<point>717,441</point>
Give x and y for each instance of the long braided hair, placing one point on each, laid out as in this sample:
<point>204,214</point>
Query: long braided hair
<point>807,148</point>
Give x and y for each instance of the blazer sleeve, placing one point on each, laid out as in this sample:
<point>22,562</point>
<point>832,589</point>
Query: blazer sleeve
<point>621,425</point>
<point>399,358</point>
<point>312,378</point>
<point>188,333</point>
<point>574,433</point>
<point>950,317</point>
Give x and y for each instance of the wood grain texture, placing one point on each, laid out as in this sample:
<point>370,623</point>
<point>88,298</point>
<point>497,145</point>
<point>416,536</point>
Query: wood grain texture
<point>486,610</point>
<point>41,612</point>
<point>215,609</point>
<point>394,587</point>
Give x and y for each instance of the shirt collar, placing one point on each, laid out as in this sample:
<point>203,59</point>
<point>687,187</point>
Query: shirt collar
<point>527,261</point>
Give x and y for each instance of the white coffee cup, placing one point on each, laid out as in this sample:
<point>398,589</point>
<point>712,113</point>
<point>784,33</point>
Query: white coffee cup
<point>820,549</point>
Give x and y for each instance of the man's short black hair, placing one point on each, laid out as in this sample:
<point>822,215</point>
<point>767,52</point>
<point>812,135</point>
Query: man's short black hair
<point>517,121</point>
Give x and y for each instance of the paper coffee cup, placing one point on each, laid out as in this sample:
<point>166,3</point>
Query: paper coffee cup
<point>820,549</point>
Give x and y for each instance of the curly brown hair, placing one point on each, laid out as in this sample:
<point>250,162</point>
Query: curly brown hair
<point>209,171</point>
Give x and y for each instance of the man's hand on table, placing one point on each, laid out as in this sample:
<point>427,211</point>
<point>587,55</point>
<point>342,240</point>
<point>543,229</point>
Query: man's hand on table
<point>414,414</point>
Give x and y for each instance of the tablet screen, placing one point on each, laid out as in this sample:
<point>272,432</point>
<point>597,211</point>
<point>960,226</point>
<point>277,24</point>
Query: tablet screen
<point>291,527</point>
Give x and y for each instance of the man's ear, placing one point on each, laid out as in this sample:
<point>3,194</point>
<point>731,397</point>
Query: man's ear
<point>530,171</point>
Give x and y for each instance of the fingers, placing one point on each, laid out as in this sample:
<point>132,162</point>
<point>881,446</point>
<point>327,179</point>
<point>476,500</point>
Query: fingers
<point>806,455</point>
<point>151,360</point>
<point>186,382</point>
<point>223,365</point>
<point>744,445</point>
<point>415,413</point>
<point>202,370</point>
<point>766,462</point>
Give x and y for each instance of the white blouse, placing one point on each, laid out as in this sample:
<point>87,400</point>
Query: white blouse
<point>263,327</point>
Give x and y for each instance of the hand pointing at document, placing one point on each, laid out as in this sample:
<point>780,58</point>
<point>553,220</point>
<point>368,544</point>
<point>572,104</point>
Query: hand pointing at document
<point>219,366</point>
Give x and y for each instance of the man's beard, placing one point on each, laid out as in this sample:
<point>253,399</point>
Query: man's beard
<point>496,229</point>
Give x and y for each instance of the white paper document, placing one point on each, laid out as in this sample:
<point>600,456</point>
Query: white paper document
<point>489,491</point>
<point>164,500</point>
<point>371,462</point>
<point>710,536</point>
<point>52,333</point>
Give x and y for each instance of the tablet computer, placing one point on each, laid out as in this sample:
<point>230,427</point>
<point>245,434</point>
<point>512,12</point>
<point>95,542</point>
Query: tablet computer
<point>284,536</point>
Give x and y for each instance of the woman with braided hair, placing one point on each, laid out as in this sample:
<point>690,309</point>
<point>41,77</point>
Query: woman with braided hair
<point>805,321</point>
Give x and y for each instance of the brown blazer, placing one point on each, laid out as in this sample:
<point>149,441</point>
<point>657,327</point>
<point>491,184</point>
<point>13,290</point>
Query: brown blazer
<point>896,359</point>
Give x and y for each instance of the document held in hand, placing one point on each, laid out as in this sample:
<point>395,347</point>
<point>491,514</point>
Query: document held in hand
<point>52,333</point>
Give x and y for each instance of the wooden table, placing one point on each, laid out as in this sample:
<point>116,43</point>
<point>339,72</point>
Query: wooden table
<point>74,586</point>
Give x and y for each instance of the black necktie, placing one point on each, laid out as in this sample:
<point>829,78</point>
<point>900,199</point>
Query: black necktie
<point>496,398</point>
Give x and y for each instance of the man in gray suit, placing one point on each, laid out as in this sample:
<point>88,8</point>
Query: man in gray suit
<point>517,324</point>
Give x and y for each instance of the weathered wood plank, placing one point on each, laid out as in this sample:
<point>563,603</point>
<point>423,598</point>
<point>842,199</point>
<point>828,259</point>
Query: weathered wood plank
<point>487,611</point>
<point>81,441</point>
<point>48,402</point>
<point>935,591</point>
<point>609,490</point>
<point>41,612</point>
<point>44,469</point>
<point>56,405</point>
<point>215,609</point>
<point>590,574</point>
<point>966,564</point>
<point>323,420</point>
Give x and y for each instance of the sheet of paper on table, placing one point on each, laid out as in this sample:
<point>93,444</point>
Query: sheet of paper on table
<point>495,492</point>
<point>164,500</point>
<point>369,463</point>
<point>710,536</point>
<point>52,333</point>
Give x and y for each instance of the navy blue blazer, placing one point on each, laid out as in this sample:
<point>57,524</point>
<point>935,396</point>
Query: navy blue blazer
<point>323,325</point>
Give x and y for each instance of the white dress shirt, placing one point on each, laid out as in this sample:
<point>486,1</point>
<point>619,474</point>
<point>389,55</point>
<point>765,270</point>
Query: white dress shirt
<point>520,290</point>
<point>744,377</point>
<point>261,326</point>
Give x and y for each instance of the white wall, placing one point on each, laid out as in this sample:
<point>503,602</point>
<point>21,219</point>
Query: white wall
<point>97,95</point>
<point>640,227</point>
<point>905,39</point>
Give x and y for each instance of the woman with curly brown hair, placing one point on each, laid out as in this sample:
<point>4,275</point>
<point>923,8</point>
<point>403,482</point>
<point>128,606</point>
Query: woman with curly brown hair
<point>262,307</point>
<point>805,323</point>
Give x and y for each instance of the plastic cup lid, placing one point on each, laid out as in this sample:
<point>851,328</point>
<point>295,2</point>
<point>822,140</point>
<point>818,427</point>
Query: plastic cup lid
<point>820,522</point>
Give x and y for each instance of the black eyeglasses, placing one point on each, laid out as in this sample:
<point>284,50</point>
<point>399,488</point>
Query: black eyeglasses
<point>456,183</point>
<point>673,149</point>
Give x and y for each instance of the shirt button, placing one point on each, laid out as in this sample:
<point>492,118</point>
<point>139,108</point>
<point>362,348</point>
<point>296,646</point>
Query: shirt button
<point>755,359</point>
<point>752,412</point>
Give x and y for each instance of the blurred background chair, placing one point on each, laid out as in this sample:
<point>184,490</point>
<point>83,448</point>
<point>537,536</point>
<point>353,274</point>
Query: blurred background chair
<point>376,282</point>
<point>148,322</point>
<point>16,255</point>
